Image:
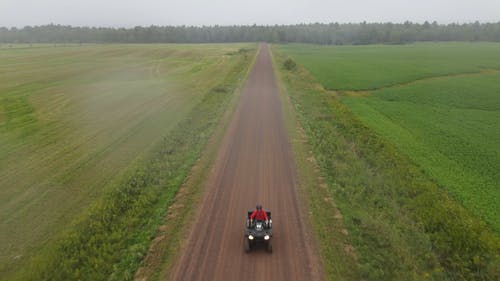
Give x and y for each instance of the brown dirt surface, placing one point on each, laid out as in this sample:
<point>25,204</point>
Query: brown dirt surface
<point>255,164</point>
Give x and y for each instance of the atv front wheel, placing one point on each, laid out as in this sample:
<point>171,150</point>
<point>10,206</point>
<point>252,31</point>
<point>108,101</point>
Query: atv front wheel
<point>269,246</point>
<point>246,244</point>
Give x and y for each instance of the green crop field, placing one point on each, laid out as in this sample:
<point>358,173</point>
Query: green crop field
<point>439,103</point>
<point>451,128</point>
<point>375,66</point>
<point>75,119</point>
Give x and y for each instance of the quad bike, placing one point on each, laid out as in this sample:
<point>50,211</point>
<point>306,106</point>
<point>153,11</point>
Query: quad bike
<point>258,233</point>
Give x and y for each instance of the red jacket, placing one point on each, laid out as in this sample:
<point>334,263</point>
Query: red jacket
<point>259,215</point>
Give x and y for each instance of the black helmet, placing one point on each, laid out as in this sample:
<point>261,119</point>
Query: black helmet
<point>259,207</point>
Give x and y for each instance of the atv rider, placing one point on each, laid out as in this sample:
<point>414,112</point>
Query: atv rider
<point>259,214</point>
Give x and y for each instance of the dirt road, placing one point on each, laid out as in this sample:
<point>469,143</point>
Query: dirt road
<point>254,164</point>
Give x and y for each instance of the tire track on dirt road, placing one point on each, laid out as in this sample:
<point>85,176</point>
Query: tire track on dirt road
<point>254,164</point>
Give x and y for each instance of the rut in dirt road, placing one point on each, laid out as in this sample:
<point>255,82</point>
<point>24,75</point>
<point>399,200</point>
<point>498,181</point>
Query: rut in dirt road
<point>254,164</point>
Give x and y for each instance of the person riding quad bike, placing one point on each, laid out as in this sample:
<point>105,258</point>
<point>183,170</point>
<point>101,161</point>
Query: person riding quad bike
<point>259,229</point>
<point>259,215</point>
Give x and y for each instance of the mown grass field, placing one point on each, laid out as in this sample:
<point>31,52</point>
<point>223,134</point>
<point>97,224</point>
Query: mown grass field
<point>438,102</point>
<point>393,156</point>
<point>78,123</point>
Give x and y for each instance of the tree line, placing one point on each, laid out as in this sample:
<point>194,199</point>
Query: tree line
<point>318,33</point>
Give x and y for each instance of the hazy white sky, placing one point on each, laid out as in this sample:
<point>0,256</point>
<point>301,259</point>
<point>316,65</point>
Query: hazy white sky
<point>129,13</point>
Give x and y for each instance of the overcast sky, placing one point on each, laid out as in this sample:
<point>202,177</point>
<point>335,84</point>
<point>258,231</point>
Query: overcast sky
<point>128,13</point>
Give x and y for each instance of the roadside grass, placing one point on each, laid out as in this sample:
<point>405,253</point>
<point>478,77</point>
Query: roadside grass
<point>402,225</point>
<point>375,66</point>
<point>336,253</point>
<point>84,126</point>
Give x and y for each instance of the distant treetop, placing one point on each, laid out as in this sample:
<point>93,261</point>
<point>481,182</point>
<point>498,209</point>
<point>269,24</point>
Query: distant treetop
<point>317,33</point>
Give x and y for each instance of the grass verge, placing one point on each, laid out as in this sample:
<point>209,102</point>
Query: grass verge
<point>336,251</point>
<point>109,242</point>
<point>401,224</point>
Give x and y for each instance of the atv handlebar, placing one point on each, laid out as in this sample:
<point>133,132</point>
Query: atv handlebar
<point>251,223</point>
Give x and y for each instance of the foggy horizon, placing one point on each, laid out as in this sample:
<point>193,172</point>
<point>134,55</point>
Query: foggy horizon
<point>256,24</point>
<point>127,14</point>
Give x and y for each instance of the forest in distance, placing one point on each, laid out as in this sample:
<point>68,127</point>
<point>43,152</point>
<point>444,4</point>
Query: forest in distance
<point>317,33</point>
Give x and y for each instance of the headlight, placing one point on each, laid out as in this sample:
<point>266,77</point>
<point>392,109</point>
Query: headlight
<point>266,237</point>
<point>250,237</point>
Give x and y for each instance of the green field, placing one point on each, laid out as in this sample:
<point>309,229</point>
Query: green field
<point>412,165</point>
<point>438,102</point>
<point>75,121</point>
<point>375,66</point>
<point>451,128</point>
